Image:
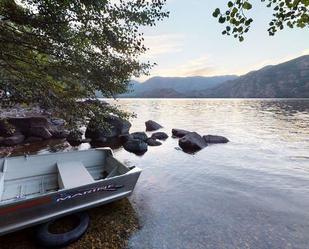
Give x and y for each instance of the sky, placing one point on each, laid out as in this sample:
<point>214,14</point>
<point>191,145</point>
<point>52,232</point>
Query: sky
<point>190,43</point>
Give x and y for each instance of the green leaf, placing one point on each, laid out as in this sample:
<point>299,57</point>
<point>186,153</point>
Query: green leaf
<point>216,13</point>
<point>221,19</point>
<point>247,5</point>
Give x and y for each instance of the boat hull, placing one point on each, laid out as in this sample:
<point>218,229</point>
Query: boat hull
<point>30,212</point>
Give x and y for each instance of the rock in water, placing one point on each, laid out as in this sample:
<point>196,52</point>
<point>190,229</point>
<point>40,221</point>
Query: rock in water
<point>117,127</point>
<point>179,132</point>
<point>136,146</point>
<point>25,124</point>
<point>153,142</point>
<point>139,135</point>
<point>159,135</point>
<point>192,142</point>
<point>125,137</point>
<point>75,137</point>
<point>152,125</point>
<point>214,139</point>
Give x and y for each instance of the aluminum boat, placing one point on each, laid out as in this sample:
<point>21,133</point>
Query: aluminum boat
<point>38,188</point>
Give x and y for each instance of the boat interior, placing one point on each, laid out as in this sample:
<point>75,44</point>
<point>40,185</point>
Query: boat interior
<point>31,176</point>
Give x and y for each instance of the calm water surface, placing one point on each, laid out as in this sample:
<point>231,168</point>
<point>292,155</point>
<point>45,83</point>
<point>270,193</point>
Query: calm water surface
<point>250,193</point>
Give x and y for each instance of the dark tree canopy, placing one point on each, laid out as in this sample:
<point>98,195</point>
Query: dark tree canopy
<point>54,52</point>
<point>291,13</point>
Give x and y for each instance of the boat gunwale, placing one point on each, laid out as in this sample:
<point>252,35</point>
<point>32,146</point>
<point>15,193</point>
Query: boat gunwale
<point>7,203</point>
<point>23,200</point>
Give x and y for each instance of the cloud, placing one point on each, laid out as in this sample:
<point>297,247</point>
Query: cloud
<point>163,44</point>
<point>200,66</point>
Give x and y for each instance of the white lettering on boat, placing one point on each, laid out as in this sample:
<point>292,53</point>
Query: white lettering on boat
<point>69,196</point>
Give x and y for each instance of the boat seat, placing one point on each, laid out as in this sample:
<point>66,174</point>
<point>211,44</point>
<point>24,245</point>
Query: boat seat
<point>73,174</point>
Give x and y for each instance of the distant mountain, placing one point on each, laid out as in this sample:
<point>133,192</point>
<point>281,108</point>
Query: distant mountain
<point>174,87</point>
<point>286,80</point>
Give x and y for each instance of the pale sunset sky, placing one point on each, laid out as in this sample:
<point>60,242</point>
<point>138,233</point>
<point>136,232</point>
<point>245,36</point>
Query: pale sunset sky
<point>190,43</point>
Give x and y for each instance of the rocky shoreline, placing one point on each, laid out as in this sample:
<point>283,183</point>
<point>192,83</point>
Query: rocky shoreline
<point>27,126</point>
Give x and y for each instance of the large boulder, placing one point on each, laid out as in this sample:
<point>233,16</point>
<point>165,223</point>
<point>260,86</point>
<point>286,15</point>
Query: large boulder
<point>152,125</point>
<point>37,126</point>
<point>25,124</point>
<point>179,132</point>
<point>153,142</point>
<point>13,140</point>
<point>139,135</point>
<point>136,146</point>
<point>214,139</point>
<point>117,127</point>
<point>192,142</point>
<point>159,135</point>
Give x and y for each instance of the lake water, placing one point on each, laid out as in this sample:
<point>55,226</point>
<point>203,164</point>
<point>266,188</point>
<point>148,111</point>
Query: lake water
<point>250,193</point>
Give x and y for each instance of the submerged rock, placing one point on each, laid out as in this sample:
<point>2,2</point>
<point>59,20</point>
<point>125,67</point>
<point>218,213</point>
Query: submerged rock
<point>153,142</point>
<point>152,125</point>
<point>179,132</point>
<point>136,146</point>
<point>139,135</point>
<point>159,135</point>
<point>113,143</point>
<point>192,142</point>
<point>13,140</point>
<point>215,139</point>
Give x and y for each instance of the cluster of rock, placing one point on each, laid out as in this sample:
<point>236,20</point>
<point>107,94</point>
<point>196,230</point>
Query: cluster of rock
<point>18,130</point>
<point>191,141</point>
<point>118,134</point>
